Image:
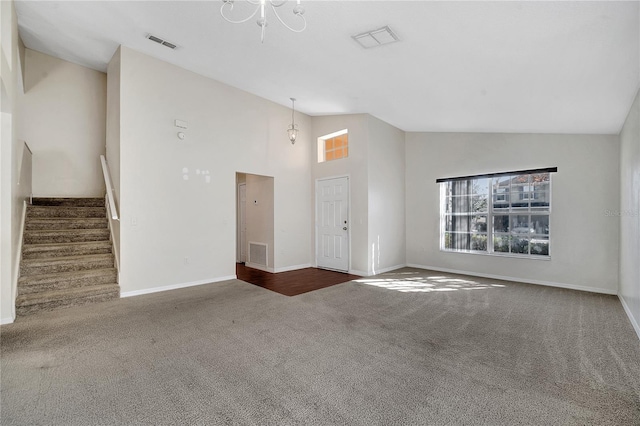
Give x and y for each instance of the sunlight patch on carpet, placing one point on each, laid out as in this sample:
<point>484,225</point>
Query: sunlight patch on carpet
<point>427,284</point>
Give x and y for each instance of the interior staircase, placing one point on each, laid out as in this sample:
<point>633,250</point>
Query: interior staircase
<point>67,257</point>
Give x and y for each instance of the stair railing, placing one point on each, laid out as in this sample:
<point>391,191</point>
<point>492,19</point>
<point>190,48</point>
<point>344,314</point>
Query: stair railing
<point>107,181</point>
<point>25,174</point>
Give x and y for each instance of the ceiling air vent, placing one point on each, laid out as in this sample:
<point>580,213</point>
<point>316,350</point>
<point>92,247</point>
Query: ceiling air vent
<point>161,41</point>
<point>376,38</point>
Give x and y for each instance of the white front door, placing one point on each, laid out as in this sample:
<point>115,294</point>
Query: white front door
<point>332,224</point>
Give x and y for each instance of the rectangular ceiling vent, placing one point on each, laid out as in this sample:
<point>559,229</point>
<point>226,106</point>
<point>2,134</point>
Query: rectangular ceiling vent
<point>161,41</point>
<point>376,38</point>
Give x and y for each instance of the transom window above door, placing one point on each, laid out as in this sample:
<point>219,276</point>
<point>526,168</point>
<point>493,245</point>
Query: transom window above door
<point>333,146</point>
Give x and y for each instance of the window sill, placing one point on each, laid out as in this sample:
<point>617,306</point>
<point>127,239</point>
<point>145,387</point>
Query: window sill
<point>494,254</point>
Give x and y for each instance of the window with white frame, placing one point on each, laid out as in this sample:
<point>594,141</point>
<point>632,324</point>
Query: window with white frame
<point>333,146</point>
<point>502,213</point>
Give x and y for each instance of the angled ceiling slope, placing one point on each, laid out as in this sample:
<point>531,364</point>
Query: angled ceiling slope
<point>529,67</point>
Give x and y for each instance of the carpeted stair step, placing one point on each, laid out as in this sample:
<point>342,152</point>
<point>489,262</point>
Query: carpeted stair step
<point>46,251</point>
<point>66,223</point>
<point>67,255</point>
<point>64,211</point>
<point>65,236</point>
<point>31,267</point>
<point>48,300</point>
<point>69,202</point>
<point>66,280</point>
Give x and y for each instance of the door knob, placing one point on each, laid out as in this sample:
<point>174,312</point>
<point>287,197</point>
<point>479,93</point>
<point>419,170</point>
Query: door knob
<point>345,228</point>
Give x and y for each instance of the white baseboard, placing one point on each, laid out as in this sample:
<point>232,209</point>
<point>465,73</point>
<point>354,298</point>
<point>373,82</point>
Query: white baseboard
<point>521,280</point>
<point>389,269</point>
<point>8,320</point>
<point>175,286</point>
<point>377,271</point>
<point>260,267</point>
<point>293,268</point>
<point>634,322</point>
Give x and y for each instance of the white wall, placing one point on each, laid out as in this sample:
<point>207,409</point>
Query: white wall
<point>113,121</point>
<point>355,166</point>
<point>630,214</point>
<point>584,239</point>
<point>11,197</point>
<point>376,170</point>
<point>166,218</point>
<point>386,171</point>
<point>259,214</point>
<point>62,118</point>
<point>112,148</point>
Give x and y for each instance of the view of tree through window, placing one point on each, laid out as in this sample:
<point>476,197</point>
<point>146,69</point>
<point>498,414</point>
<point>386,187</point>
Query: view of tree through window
<point>506,214</point>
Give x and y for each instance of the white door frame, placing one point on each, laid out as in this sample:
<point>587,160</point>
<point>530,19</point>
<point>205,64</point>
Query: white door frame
<point>315,211</point>
<point>239,241</point>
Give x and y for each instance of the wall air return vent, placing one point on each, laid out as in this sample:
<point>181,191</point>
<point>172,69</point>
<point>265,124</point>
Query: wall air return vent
<point>161,41</point>
<point>258,253</point>
<point>376,38</point>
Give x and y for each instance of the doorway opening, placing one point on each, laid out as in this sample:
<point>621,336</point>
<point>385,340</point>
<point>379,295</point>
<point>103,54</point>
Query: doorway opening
<point>255,221</point>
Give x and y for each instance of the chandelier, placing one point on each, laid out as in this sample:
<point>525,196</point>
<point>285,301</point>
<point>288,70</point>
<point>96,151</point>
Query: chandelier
<point>298,11</point>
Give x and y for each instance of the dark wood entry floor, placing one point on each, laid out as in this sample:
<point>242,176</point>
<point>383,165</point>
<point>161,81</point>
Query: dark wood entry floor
<point>293,283</point>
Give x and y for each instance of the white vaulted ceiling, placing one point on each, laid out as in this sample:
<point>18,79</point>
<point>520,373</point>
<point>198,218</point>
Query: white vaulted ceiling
<point>529,67</point>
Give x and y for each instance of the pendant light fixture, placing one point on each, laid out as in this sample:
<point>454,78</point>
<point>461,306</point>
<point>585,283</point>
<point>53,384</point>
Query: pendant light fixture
<point>292,131</point>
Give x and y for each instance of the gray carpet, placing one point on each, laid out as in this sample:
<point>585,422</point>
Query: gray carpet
<point>410,347</point>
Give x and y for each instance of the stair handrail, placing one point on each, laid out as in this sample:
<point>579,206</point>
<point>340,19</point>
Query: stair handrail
<point>25,174</point>
<point>109,185</point>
